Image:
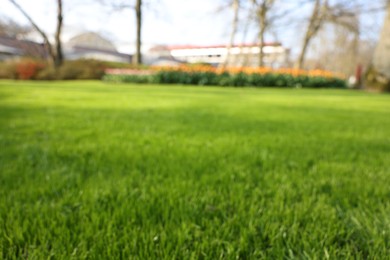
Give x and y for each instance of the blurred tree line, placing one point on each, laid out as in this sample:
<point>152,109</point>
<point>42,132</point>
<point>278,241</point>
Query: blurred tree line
<point>329,31</point>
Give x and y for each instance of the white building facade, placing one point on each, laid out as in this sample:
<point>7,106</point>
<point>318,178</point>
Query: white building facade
<point>274,55</point>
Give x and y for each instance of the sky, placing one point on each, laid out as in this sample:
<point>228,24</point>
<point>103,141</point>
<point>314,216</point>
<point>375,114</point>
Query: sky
<point>165,22</point>
<point>172,22</point>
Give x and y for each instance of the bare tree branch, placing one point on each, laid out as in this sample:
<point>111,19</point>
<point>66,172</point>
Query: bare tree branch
<point>55,55</point>
<point>236,8</point>
<point>46,41</point>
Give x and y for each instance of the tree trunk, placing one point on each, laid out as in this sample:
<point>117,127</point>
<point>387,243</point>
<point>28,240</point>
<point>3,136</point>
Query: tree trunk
<point>381,60</point>
<point>244,58</point>
<point>312,29</point>
<point>59,57</point>
<point>138,11</point>
<point>302,54</point>
<point>262,9</point>
<point>236,8</point>
<point>263,25</point>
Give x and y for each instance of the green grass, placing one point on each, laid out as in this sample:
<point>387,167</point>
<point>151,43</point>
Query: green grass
<point>100,171</point>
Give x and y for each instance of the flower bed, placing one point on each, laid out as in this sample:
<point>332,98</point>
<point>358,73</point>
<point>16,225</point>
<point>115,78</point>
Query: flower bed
<point>239,77</point>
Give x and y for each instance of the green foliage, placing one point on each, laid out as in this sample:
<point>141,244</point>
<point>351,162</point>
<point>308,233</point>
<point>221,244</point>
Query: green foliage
<point>48,73</point>
<point>82,69</point>
<point>93,171</point>
<point>128,78</point>
<point>375,80</point>
<point>8,70</point>
<point>226,79</point>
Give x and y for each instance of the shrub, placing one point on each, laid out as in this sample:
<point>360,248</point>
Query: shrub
<point>81,69</point>
<point>48,73</point>
<point>128,78</point>
<point>375,80</point>
<point>27,69</point>
<point>8,70</point>
<point>239,79</point>
<point>208,76</point>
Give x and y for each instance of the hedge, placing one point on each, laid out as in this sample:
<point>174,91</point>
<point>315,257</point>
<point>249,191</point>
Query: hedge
<point>226,78</point>
<point>32,69</point>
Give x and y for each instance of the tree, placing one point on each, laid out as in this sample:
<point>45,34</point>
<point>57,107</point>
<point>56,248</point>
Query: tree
<point>55,53</point>
<point>137,7</point>
<point>262,8</point>
<point>138,18</point>
<point>341,13</point>
<point>381,60</point>
<point>59,56</point>
<point>315,22</point>
<point>235,5</point>
<point>11,28</point>
<point>337,48</point>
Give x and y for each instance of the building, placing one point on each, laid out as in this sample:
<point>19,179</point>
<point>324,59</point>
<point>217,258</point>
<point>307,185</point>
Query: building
<point>88,45</point>
<point>91,45</point>
<point>11,48</point>
<point>275,55</point>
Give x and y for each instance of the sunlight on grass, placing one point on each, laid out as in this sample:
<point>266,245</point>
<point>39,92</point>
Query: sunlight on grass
<point>94,170</point>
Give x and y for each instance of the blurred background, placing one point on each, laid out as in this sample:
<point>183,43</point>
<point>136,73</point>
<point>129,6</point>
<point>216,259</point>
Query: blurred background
<point>334,35</point>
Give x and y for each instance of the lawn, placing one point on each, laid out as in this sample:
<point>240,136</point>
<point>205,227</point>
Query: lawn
<point>105,171</point>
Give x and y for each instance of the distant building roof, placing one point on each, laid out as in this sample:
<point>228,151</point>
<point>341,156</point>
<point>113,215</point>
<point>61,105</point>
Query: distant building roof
<point>81,49</point>
<point>80,52</point>
<point>23,47</point>
<point>91,40</point>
